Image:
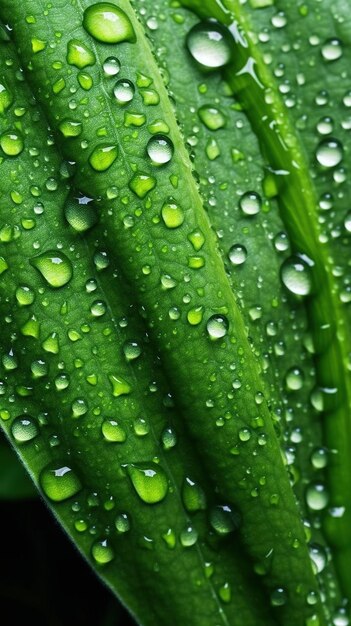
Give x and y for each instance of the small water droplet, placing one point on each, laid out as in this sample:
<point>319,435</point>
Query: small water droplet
<point>296,276</point>
<point>193,496</point>
<point>329,152</point>
<point>168,438</point>
<point>212,117</point>
<point>80,213</point>
<point>331,49</point>
<point>224,519</point>
<point>149,481</point>
<point>79,407</point>
<point>237,254</point>
<point>24,429</point>
<point>12,143</point>
<point>113,431</point>
<point>102,157</point>
<point>141,184</point>
<point>294,379</point>
<point>278,597</point>
<point>132,350</point>
<point>102,552</point>
<point>209,43</point>
<point>160,149</point>
<point>24,295</point>
<point>250,203</point>
<point>6,98</point>
<point>54,266</point>
<point>188,537</point>
<point>124,91</point>
<point>122,523</point>
<point>318,557</point>
<point>317,496</point>
<point>59,482</point>
<point>108,23</point>
<point>120,387</point>
<point>172,214</point>
<point>70,128</point>
<point>319,458</point>
<point>111,66</point>
<point>79,55</point>
<point>217,326</point>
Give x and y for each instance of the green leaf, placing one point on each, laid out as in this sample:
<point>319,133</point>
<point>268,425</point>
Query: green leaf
<point>14,481</point>
<point>248,325</point>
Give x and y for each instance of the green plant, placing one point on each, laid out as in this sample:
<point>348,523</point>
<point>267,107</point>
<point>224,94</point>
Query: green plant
<point>175,365</point>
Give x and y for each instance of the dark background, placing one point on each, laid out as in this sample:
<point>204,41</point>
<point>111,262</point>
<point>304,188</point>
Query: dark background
<point>44,581</point>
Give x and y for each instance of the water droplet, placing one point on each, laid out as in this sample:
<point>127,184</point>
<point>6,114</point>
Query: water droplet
<point>102,552</point>
<point>54,266</point>
<point>193,496</point>
<point>6,98</point>
<point>39,368</point>
<point>209,43</point>
<point>168,438</point>
<point>331,50</point>
<point>124,91</point>
<point>120,387</point>
<point>111,66</point>
<point>149,481</point>
<point>12,143</point>
<point>294,379</point>
<point>212,117</point>
<point>250,203</point>
<point>70,128</point>
<point>169,538</point>
<point>318,557</point>
<point>113,431</point>
<point>141,427</point>
<point>237,254</point>
<point>278,597</point>
<point>172,214</point>
<point>188,537</point>
<point>51,344</point>
<point>102,157</point>
<point>296,276</point>
<point>80,213</point>
<point>101,260</point>
<point>195,315</point>
<point>141,184</point>
<point>122,523</point>
<point>319,458</point>
<point>325,126</point>
<point>317,496</point>
<point>160,149</point>
<point>79,407</point>
<point>132,350</point>
<point>224,519</point>
<point>24,295</point>
<point>329,152</point>
<point>98,308</point>
<point>217,326</point>
<point>108,23</point>
<point>59,482</point>
<point>79,54</point>
<point>24,429</point>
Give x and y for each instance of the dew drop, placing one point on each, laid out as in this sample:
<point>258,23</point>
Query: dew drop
<point>79,55</point>
<point>120,387</point>
<point>296,276</point>
<point>318,557</point>
<point>102,157</point>
<point>212,117</point>
<point>329,152</point>
<point>224,519</point>
<point>294,379</point>
<point>124,91</point>
<point>24,429</point>
<point>108,23</point>
<point>209,43</point>
<point>188,537</point>
<point>70,128</point>
<point>102,552</point>
<point>160,149</point>
<point>132,350</point>
<point>98,308</point>
<point>122,523</point>
<point>54,266</point>
<point>141,184</point>
<point>250,203</point>
<point>172,214</point>
<point>12,143</point>
<point>80,213</point>
<point>278,597</point>
<point>149,481</point>
<point>317,496</point>
<point>193,496</point>
<point>6,98</point>
<point>59,482</point>
<point>237,254</point>
<point>217,326</point>
<point>319,458</point>
<point>111,66</point>
<point>195,315</point>
<point>113,431</point>
<point>331,50</point>
<point>24,295</point>
<point>168,438</point>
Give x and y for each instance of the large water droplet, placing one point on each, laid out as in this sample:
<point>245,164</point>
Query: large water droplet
<point>24,295</point>
<point>111,66</point>
<point>250,203</point>
<point>237,254</point>
<point>80,213</point>
<point>217,326</point>
<point>24,429</point>
<point>59,482</point>
<point>212,117</point>
<point>296,276</point>
<point>54,266</point>
<point>329,152</point>
<point>160,149</point>
<point>317,496</point>
<point>149,481</point>
<point>108,23</point>
<point>209,43</point>
<point>141,184</point>
<point>70,128</point>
